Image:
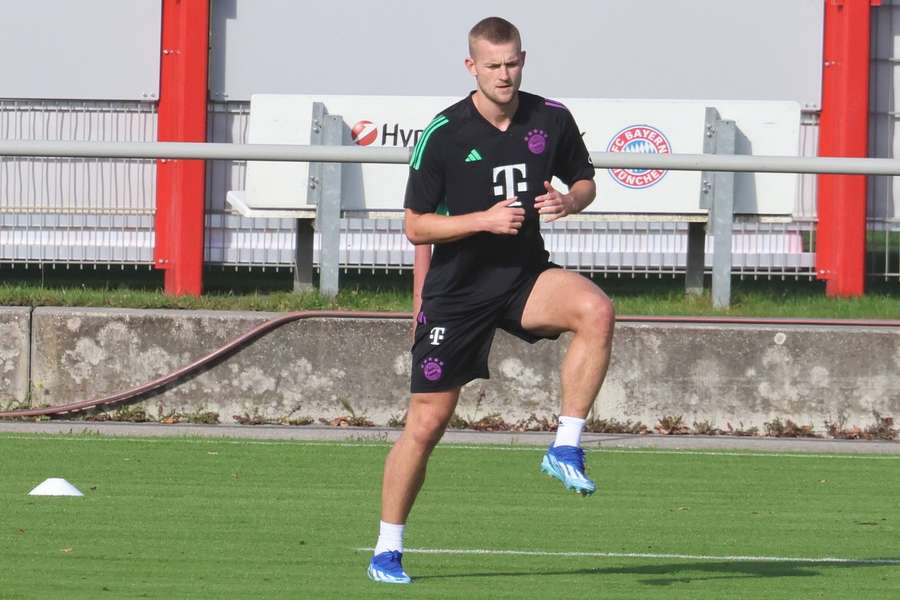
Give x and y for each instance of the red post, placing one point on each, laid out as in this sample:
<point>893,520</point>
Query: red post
<point>181,184</point>
<point>844,131</point>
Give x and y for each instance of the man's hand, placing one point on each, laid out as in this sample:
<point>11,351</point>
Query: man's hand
<point>553,204</point>
<point>503,218</point>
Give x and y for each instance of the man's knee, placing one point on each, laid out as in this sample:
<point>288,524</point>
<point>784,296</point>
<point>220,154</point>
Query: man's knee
<point>596,315</point>
<point>427,429</point>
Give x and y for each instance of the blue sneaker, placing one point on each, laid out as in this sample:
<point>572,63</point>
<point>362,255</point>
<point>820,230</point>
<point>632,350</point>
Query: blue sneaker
<point>566,463</point>
<point>386,567</point>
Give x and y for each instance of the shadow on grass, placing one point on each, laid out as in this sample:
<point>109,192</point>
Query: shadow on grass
<point>687,572</point>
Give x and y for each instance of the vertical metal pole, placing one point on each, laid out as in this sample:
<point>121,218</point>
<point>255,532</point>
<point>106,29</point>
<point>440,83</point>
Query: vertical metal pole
<point>328,213</point>
<point>696,259</point>
<point>303,255</point>
<point>182,113</point>
<point>723,219</point>
<point>696,242</point>
<point>305,233</point>
<point>843,131</point>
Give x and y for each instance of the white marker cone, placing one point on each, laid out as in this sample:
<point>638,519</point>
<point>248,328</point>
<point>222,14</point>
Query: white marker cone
<point>55,487</point>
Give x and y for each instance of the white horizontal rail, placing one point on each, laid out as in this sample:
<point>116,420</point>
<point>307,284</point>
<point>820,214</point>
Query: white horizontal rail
<point>358,154</point>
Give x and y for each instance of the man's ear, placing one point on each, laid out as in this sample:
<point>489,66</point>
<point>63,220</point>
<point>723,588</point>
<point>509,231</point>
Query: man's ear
<point>470,65</point>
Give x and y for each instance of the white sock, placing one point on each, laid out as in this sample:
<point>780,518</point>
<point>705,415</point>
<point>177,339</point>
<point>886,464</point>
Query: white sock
<point>390,537</point>
<point>569,432</point>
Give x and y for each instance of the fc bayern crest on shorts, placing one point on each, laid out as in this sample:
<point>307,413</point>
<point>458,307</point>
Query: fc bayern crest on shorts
<point>432,368</point>
<point>643,139</point>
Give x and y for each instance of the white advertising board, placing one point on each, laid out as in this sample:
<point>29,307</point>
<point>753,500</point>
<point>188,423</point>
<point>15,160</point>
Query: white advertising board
<point>769,128</point>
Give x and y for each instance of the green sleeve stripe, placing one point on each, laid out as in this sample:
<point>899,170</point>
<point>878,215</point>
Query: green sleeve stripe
<point>442,209</point>
<point>416,160</point>
<point>417,156</point>
<point>436,122</point>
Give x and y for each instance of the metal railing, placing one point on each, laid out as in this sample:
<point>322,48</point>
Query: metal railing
<point>619,248</point>
<point>358,154</point>
<point>399,258</point>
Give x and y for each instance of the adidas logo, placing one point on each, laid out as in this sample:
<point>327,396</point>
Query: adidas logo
<point>473,155</point>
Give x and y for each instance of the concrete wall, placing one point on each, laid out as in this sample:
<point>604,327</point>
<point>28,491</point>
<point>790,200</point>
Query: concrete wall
<point>752,374</point>
<point>329,367</point>
<point>15,330</point>
<point>307,368</point>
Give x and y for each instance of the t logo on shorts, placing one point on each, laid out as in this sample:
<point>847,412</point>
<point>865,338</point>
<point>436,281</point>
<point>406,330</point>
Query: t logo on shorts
<point>437,335</point>
<point>509,186</point>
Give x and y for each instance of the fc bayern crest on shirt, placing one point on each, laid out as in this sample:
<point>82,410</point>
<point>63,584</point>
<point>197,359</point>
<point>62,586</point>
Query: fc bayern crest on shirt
<point>537,141</point>
<point>642,139</point>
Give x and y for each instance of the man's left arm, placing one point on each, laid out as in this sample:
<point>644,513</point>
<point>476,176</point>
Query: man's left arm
<point>573,166</point>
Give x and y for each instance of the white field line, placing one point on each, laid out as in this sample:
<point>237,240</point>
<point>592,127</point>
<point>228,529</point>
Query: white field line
<point>93,436</point>
<point>686,452</point>
<point>697,557</point>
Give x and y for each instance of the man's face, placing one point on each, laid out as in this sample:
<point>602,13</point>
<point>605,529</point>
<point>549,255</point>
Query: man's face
<point>497,69</point>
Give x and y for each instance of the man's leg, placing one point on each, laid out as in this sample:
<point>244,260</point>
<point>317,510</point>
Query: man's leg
<point>404,468</point>
<point>404,473</point>
<point>565,301</point>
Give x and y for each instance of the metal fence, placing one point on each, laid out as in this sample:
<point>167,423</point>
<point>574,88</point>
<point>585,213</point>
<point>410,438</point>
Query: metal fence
<point>884,194</point>
<point>77,210</point>
<point>231,239</point>
<point>100,211</point>
<point>617,247</point>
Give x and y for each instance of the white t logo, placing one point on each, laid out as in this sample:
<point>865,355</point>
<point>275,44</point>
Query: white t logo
<point>506,189</point>
<point>437,335</point>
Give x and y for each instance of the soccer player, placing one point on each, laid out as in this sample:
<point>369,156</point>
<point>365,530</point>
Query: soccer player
<point>479,185</point>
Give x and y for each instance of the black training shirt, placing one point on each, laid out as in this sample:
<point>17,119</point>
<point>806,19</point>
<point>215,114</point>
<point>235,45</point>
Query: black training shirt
<point>462,164</point>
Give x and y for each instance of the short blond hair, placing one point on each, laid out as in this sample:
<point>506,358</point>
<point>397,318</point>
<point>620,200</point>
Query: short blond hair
<point>495,30</point>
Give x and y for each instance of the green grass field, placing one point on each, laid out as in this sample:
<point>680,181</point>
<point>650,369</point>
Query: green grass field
<point>270,290</point>
<point>189,518</point>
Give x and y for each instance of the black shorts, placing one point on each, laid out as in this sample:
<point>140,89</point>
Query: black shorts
<point>452,344</point>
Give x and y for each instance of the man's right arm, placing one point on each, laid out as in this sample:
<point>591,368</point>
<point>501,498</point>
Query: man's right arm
<point>432,228</point>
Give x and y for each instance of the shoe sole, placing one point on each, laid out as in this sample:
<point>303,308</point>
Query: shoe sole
<point>549,470</point>
<point>371,573</point>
